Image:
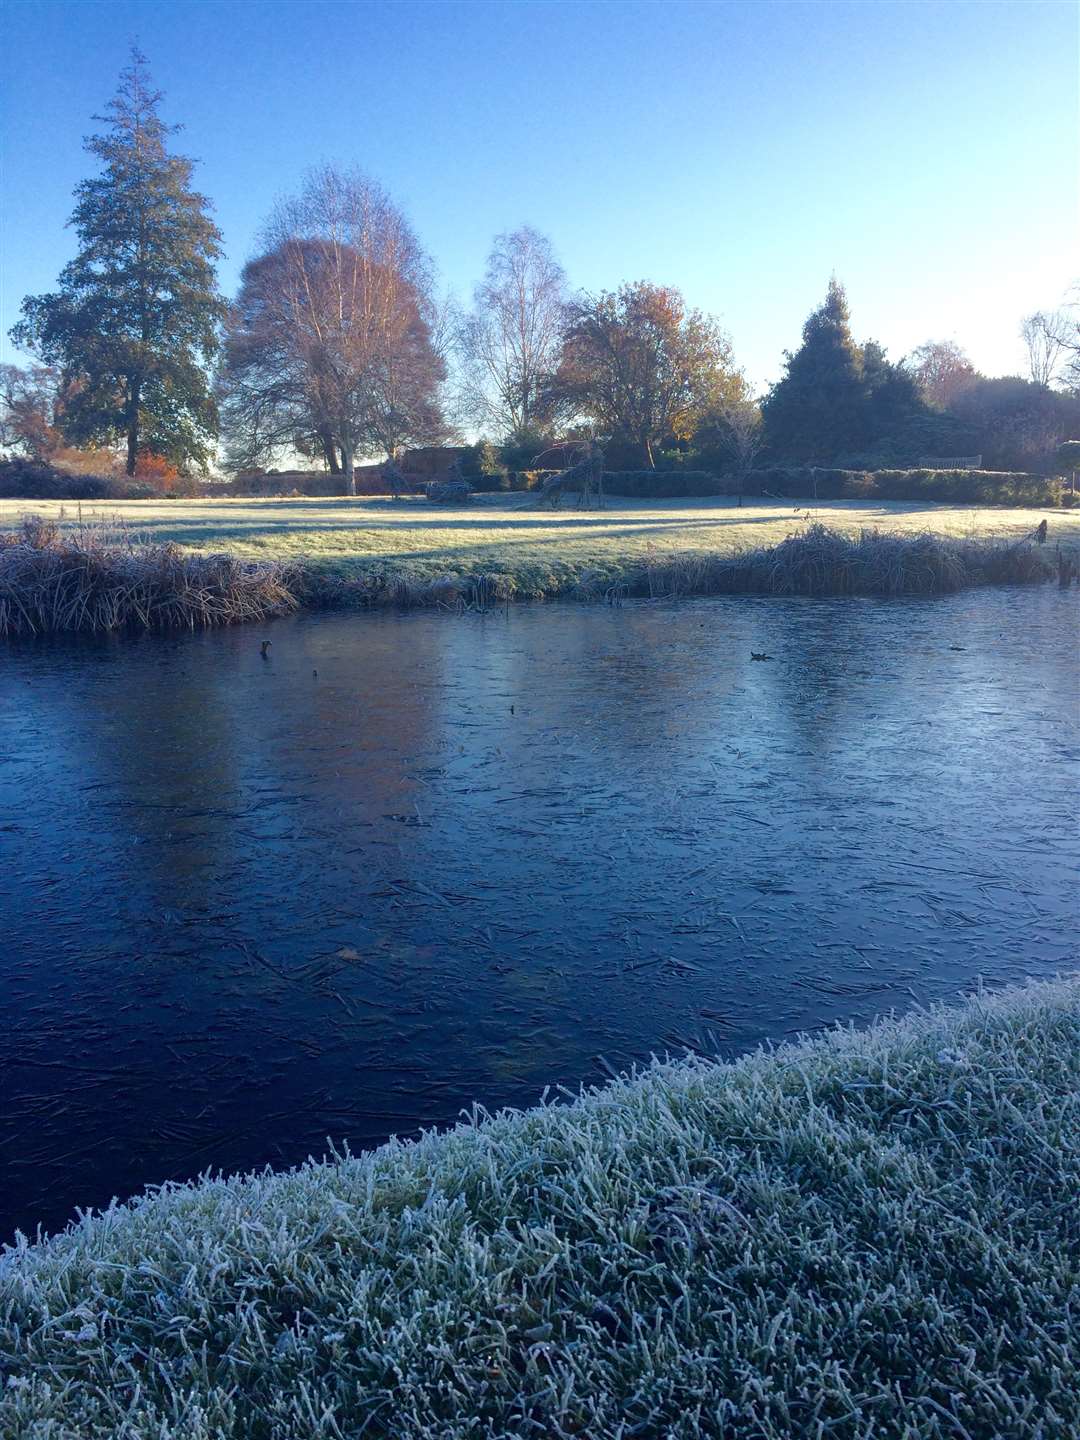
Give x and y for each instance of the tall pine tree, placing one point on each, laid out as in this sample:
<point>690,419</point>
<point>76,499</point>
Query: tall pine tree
<point>816,410</point>
<point>134,323</point>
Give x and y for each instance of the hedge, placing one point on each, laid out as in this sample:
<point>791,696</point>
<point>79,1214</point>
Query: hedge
<point>663,484</point>
<point>35,480</point>
<point>979,487</point>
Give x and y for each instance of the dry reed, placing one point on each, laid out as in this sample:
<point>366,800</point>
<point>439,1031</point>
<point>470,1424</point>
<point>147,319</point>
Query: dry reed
<point>822,561</point>
<point>95,579</point>
<point>817,560</point>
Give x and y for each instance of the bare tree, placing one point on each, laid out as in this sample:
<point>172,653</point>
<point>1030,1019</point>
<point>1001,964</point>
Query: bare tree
<point>942,370</point>
<point>1068,328</point>
<point>510,342</point>
<point>403,404</point>
<point>1043,335</point>
<point>329,344</point>
<point>742,418</point>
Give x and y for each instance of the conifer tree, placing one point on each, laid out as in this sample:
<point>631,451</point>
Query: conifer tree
<point>133,324</point>
<point>816,410</point>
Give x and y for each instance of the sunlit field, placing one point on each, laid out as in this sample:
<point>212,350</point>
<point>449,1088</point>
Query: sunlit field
<point>545,551</point>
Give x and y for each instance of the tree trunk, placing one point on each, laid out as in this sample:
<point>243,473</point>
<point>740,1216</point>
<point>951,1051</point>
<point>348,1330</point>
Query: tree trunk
<point>347,467</point>
<point>646,445</point>
<point>133,427</point>
<point>330,451</point>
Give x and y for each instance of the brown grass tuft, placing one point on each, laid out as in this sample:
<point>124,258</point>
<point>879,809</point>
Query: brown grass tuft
<point>96,579</point>
<point>822,561</point>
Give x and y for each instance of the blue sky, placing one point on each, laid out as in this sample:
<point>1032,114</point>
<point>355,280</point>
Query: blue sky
<point>925,152</point>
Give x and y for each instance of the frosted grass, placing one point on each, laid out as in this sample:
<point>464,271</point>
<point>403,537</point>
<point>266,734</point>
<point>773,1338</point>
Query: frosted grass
<point>870,1234</point>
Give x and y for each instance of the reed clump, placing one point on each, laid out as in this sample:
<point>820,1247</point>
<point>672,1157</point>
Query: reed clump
<point>397,589</point>
<point>819,560</point>
<point>99,578</point>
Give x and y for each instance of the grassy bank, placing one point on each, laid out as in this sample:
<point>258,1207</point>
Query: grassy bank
<point>866,1235</point>
<point>532,552</point>
<point>83,578</point>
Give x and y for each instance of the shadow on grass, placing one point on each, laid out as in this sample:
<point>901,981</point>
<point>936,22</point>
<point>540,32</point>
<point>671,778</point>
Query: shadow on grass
<point>505,532</point>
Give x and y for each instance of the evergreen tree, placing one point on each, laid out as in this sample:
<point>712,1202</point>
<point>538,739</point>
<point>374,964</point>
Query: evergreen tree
<point>894,405</point>
<point>816,411</point>
<point>133,324</point>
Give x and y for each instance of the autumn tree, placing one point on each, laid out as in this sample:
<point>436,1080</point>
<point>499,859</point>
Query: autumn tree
<point>133,323</point>
<point>942,371</point>
<point>330,340</point>
<point>640,367</point>
<point>266,404</point>
<point>30,410</point>
<point>511,341</point>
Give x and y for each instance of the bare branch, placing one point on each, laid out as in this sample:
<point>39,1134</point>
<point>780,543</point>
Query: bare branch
<point>510,342</point>
<point>330,343</point>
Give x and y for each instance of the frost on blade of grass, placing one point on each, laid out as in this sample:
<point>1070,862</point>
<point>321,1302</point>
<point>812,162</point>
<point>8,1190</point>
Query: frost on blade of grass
<point>867,1235</point>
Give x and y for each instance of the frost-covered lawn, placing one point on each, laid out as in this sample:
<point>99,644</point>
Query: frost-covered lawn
<point>870,1235</point>
<point>542,552</point>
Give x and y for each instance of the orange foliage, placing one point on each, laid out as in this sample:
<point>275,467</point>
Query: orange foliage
<point>86,462</point>
<point>156,470</point>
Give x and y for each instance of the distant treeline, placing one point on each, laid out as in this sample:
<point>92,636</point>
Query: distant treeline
<point>336,349</point>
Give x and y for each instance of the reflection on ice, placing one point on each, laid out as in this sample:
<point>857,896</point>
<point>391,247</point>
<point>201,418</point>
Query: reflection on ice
<point>408,862</point>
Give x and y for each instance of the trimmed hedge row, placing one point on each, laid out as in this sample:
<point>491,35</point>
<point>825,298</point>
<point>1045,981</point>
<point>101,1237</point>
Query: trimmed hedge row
<point>980,487</point>
<point>35,480</point>
<point>664,484</point>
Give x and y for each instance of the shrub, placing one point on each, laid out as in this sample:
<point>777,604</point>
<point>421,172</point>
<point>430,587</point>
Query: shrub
<point>520,480</point>
<point>662,484</point>
<point>155,469</point>
<point>981,487</point>
<point>86,462</point>
<point>860,486</point>
<point>160,476</point>
<point>36,480</point>
<point>957,487</point>
<point>483,469</point>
